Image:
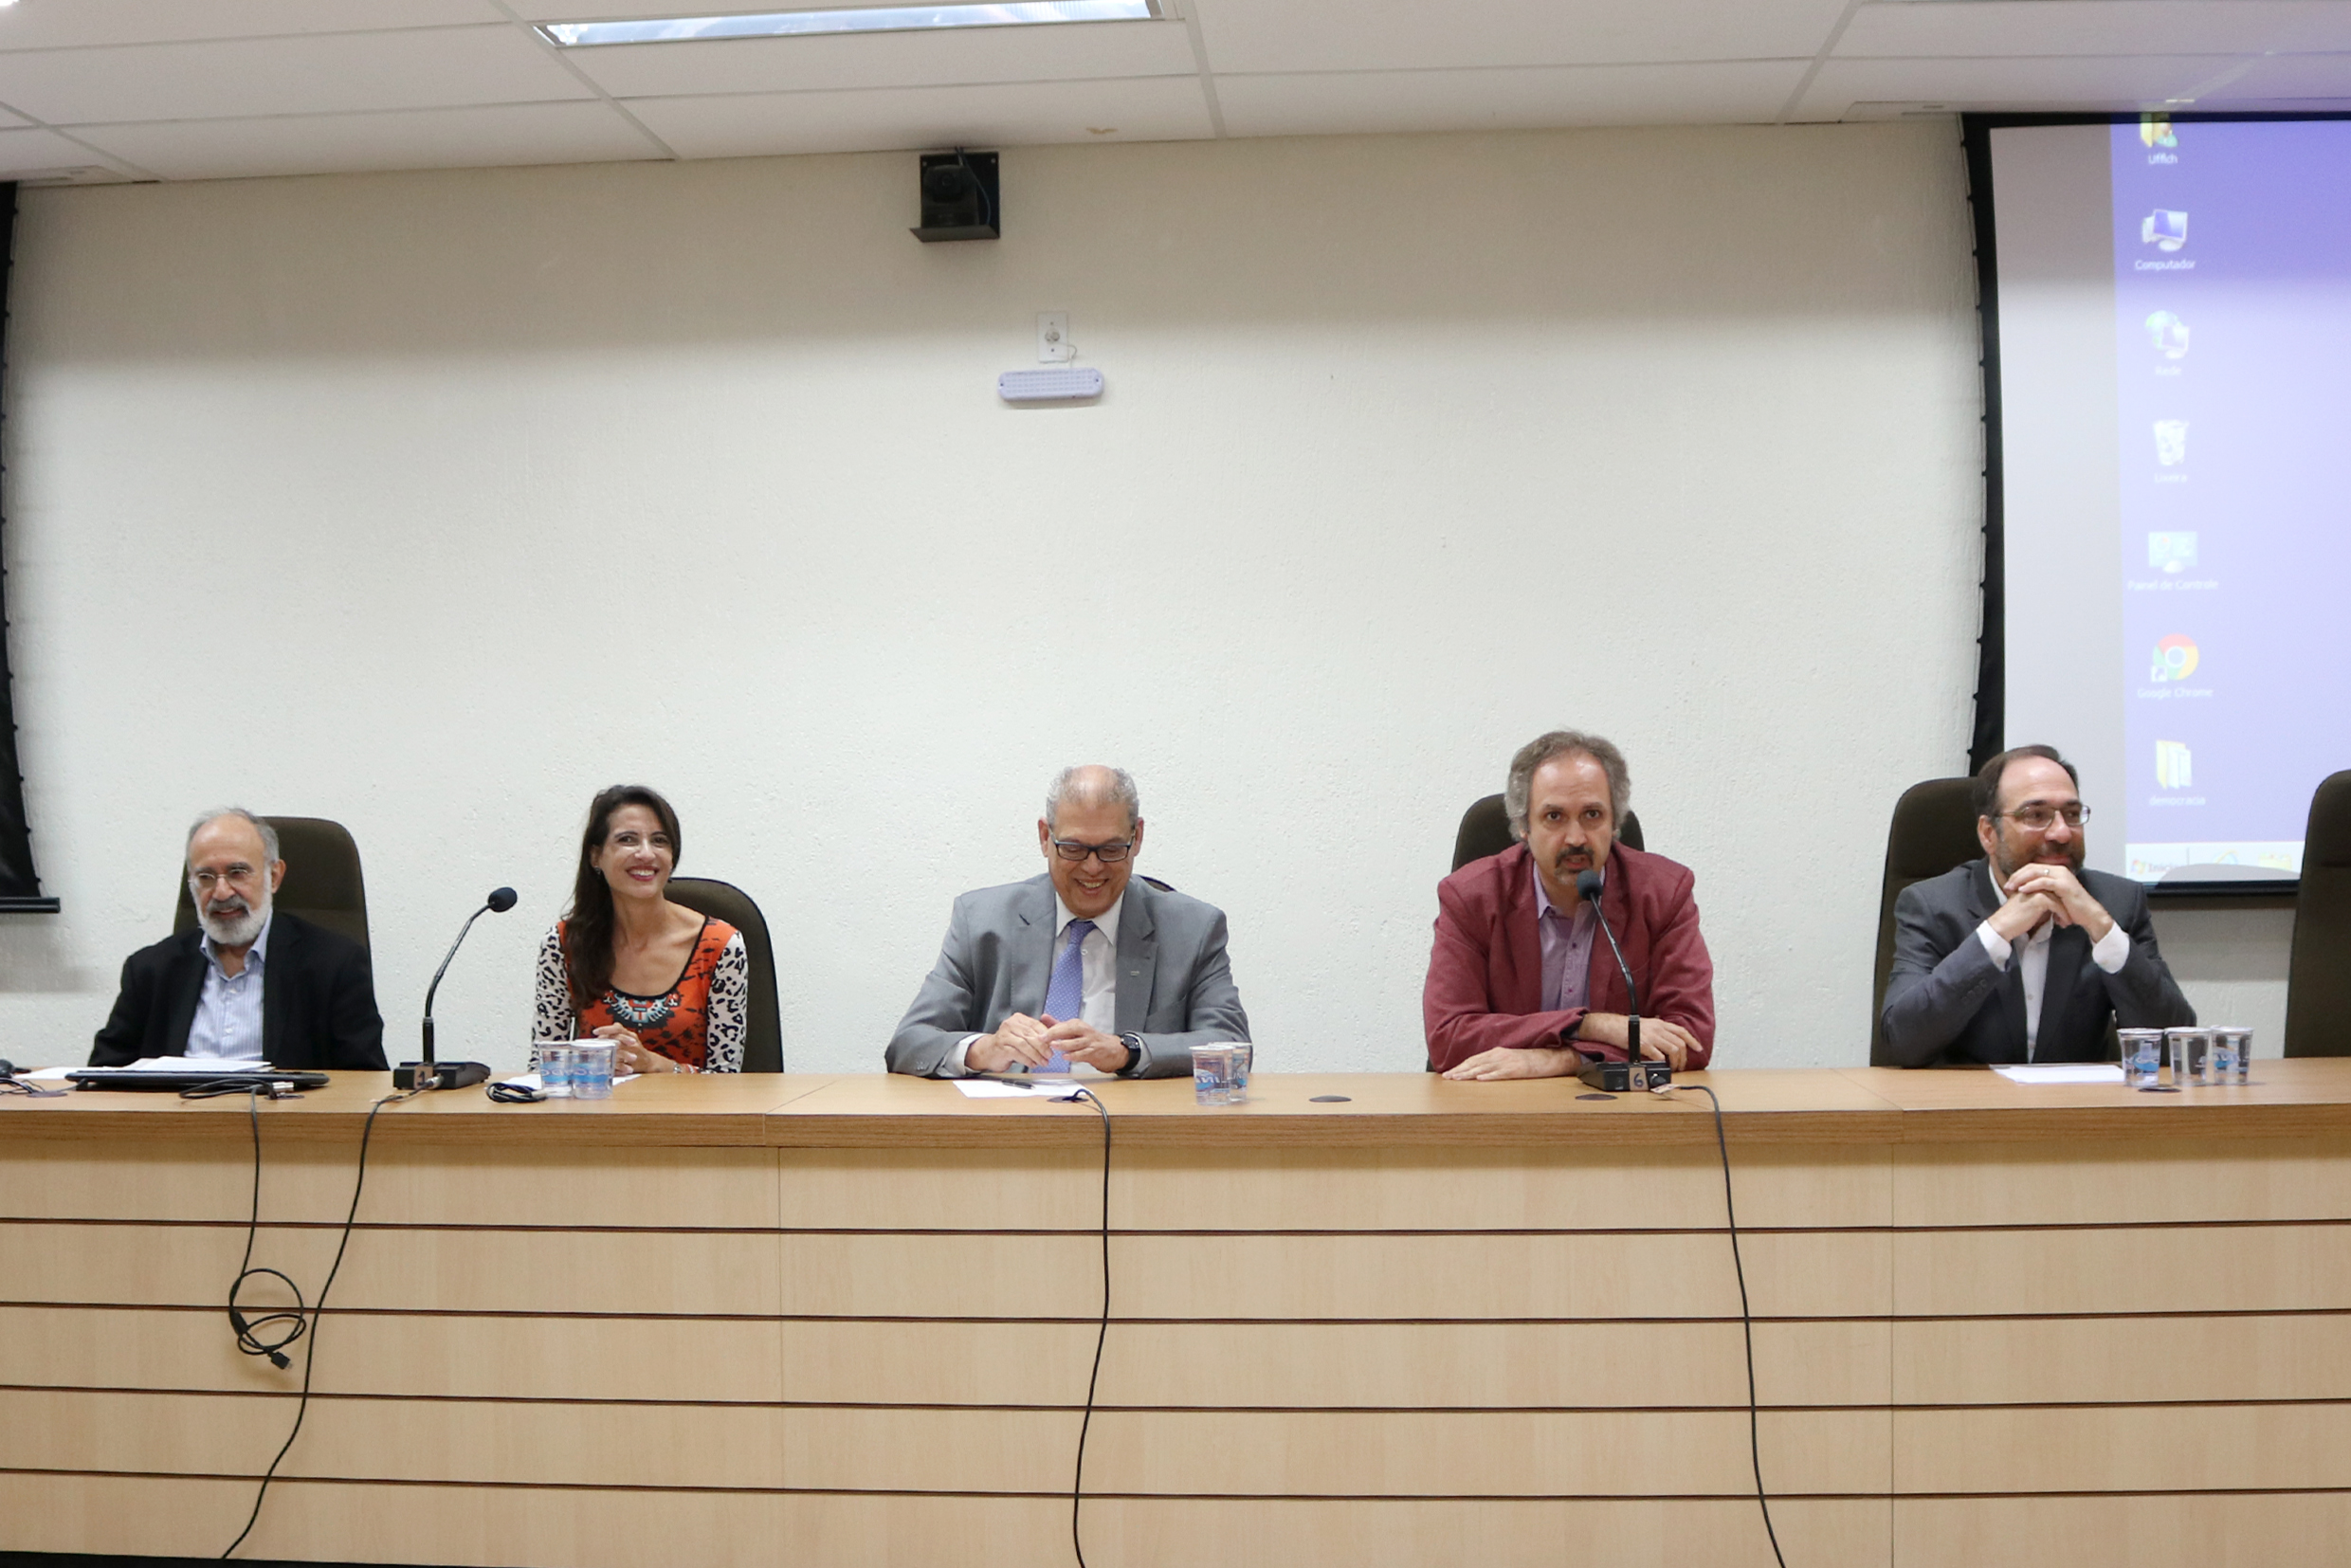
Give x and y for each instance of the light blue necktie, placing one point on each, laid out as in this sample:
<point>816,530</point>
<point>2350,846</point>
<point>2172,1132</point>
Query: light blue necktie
<point>1065,994</point>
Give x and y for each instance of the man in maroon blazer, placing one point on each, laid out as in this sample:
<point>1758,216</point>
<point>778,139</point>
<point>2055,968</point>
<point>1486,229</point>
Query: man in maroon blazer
<point>1522,983</point>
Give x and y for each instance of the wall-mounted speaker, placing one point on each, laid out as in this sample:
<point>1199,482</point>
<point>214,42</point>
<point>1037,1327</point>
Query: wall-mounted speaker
<point>959,199</point>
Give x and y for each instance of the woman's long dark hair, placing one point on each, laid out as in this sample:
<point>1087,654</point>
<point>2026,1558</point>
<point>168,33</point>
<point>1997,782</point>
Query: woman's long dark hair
<point>588,929</point>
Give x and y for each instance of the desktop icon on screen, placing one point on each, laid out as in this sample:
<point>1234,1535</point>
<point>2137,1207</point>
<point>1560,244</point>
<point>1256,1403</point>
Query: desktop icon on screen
<point>2171,553</point>
<point>2169,334</point>
<point>2165,230</point>
<point>2174,659</point>
<point>2156,131</point>
<point>2171,442</point>
<point>2172,771</point>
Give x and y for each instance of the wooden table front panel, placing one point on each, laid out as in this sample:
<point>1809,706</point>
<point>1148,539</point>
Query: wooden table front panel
<point>2007,1350</point>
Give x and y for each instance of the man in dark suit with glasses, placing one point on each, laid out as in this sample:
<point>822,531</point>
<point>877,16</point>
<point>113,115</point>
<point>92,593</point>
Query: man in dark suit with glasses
<point>2024,955</point>
<point>1086,965</point>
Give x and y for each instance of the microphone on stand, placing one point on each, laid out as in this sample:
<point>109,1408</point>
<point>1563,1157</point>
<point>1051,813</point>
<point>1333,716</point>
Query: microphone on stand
<point>429,1074</point>
<point>1631,1074</point>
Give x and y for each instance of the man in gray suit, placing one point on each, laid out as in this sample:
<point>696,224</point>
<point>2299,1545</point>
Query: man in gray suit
<point>1079,966</point>
<point>2024,956</point>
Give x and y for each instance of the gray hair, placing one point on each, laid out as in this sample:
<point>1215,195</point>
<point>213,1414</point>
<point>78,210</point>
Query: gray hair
<point>269,835</point>
<point>1565,744</point>
<point>1084,786</point>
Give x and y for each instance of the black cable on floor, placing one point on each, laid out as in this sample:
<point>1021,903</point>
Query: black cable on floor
<point>277,1354</point>
<point>1746,1322</point>
<point>1077,1483</point>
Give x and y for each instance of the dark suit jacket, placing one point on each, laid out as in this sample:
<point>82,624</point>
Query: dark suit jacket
<point>1484,986</point>
<point>318,1001</point>
<point>1175,983</point>
<point>1948,1005</point>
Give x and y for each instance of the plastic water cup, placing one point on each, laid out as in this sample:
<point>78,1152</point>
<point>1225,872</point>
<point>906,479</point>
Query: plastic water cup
<point>2233,1055</point>
<point>2189,1049</point>
<point>1243,1054</point>
<point>556,1065</point>
<point>591,1069</point>
<point>1211,1075</point>
<point>2143,1057</point>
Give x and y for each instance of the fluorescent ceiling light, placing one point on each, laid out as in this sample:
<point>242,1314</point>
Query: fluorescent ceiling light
<point>793,23</point>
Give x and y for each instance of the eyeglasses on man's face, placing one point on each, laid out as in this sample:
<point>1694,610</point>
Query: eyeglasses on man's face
<point>238,875</point>
<point>1109,854</point>
<point>2039,818</point>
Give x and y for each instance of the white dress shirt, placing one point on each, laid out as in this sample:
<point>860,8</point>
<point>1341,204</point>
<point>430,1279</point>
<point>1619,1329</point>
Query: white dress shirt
<point>1098,971</point>
<point>2032,950</point>
<point>229,1011</point>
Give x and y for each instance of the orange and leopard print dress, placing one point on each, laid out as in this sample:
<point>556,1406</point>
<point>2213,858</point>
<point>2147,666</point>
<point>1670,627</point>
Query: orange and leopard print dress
<point>698,1023</point>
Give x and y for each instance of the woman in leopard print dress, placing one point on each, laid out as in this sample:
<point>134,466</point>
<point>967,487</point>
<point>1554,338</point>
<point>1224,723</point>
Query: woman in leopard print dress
<point>667,986</point>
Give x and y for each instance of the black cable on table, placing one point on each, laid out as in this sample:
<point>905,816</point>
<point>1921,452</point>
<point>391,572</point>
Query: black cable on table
<point>1746,1322</point>
<point>1077,1483</point>
<point>310,1358</point>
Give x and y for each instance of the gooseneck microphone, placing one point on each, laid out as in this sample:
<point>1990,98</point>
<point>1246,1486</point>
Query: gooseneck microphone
<point>1631,1074</point>
<point>428,1074</point>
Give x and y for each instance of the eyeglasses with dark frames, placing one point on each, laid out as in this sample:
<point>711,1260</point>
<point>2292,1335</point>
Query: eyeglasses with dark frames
<point>1109,854</point>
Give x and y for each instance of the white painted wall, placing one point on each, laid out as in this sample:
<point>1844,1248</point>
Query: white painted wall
<point>432,502</point>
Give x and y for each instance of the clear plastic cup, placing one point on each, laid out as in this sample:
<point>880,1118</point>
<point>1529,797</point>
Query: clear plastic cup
<point>556,1065</point>
<point>2143,1057</point>
<point>2189,1049</point>
<point>591,1069</point>
<point>1211,1075</point>
<point>1243,1054</point>
<point>2233,1055</point>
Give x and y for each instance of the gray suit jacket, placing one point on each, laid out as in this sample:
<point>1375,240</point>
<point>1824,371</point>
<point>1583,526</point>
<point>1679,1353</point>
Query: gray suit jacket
<point>1175,983</point>
<point>1948,1005</point>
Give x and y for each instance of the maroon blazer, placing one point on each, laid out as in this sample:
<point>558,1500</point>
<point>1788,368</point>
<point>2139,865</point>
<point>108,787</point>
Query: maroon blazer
<point>1485,984</point>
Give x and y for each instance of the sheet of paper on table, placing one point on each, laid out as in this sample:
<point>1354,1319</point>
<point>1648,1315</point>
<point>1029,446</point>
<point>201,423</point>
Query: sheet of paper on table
<point>533,1081</point>
<point>2063,1073</point>
<point>996,1089</point>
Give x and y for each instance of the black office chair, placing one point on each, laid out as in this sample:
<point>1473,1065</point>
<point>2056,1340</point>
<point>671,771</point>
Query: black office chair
<point>2318,976</point>
<point>322,880</point>
<point>763,1033</point>
<point>1485,831</point>
<point>1934,829</point>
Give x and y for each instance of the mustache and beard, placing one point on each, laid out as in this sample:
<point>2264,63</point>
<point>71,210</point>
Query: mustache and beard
<point>2008,860</point>
<point>230,921</point>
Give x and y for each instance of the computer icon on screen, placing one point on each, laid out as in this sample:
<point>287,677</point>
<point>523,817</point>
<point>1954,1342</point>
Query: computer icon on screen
<point>2172,769</point>
<point>2171,554</point>
<point>2171,442</point>
<point>2175,658</point>
<point>2156,131</point>
<point>2165,230</point>
<point>2169,334</point>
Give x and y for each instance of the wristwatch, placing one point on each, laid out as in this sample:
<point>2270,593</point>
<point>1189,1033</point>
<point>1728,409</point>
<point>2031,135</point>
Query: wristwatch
<point>1134,1044</point>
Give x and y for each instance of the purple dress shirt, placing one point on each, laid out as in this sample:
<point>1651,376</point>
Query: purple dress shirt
<point>1566,950</point>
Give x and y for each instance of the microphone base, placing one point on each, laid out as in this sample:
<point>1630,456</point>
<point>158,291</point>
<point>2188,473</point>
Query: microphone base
<point>1624,1077</point>
<point>444,1075</point>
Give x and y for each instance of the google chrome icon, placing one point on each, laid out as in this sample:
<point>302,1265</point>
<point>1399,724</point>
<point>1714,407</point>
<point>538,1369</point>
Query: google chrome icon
<point>2174,659</point>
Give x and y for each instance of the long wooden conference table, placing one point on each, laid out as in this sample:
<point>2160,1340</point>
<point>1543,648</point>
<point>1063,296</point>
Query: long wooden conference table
<point>850,1320</point>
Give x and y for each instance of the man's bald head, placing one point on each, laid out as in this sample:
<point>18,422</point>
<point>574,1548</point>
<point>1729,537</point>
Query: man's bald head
<point>1092,785</point>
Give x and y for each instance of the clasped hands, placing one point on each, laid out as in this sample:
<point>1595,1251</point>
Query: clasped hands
<point>1023,1041</point>
<point>1660,1042</point>
<point>2041,892</point>
<point>630,1054</point>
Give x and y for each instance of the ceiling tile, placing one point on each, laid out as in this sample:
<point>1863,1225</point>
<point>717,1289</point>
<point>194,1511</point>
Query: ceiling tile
<point>1339,35</point>
<point>2076,83</point>
<point>432,139</point>
<point>1145,109</point>
<point>1747,92</point>
<point>30,151</point>
<point>287,76</point>
<point>891,60</point>
<point>2111,27</point>
<point>57,24</point>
